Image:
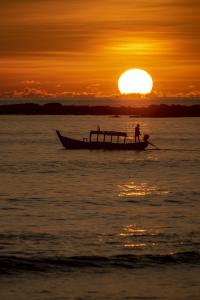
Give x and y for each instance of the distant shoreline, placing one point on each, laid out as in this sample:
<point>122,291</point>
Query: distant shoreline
<point>154,111</point>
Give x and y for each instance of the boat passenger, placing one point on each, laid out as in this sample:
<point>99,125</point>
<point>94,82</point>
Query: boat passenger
<point>137,133</point>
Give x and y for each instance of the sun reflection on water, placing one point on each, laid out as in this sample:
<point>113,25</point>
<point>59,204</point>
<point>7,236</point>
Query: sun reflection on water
<point>140,189</point>
<point>134,237</point>
<point>133,230</point>
<point>129,230</point>
<point>134,245</point>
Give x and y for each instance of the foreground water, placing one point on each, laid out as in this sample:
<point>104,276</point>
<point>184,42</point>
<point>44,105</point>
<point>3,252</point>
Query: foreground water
<point>99,224</point>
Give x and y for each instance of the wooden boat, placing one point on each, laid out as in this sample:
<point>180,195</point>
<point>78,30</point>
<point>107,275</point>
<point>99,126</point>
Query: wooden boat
<point>119,144</point>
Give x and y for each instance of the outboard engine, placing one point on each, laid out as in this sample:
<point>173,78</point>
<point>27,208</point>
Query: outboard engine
<point>145,138</point>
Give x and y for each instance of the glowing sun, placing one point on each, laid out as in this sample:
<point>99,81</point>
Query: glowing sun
<point>135,81</point>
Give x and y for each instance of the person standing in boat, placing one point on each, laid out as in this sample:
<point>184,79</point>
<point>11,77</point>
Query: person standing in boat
<point>137,133</point>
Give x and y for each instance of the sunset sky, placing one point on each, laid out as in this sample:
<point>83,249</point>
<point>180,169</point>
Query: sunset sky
<point>82,46</point>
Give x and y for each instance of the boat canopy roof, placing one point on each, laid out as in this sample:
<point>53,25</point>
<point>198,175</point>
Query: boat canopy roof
<point>111,133</point>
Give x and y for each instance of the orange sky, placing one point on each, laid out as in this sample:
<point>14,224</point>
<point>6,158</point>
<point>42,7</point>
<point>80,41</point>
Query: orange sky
<point>82,46</point>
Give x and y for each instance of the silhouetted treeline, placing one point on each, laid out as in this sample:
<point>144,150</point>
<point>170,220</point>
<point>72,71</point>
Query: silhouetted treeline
<point>162,110</point>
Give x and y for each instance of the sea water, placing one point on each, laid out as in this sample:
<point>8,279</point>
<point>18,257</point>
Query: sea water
<point>80,224</point>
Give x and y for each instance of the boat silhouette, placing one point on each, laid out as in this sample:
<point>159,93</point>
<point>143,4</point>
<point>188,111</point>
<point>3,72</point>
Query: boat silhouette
<point>92,143</point>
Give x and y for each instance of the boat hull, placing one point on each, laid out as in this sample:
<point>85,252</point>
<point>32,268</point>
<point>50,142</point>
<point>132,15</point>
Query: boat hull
<point>69,143</point>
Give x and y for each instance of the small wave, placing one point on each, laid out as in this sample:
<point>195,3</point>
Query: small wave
<point>15,264</point>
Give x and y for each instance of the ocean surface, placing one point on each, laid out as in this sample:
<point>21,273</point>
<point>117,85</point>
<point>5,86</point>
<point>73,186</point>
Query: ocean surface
<point>80,224</point>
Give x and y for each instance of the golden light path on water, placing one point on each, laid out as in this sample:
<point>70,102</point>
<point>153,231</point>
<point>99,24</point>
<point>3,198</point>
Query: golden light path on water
<point>131,235</point>
<point>139,189</point>
<point>130,232</point>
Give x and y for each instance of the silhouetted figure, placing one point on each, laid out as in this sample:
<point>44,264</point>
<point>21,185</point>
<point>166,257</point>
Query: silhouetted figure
<point>137,133</point>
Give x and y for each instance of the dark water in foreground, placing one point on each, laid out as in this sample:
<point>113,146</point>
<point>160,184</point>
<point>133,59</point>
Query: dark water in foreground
<point>99,224</point>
